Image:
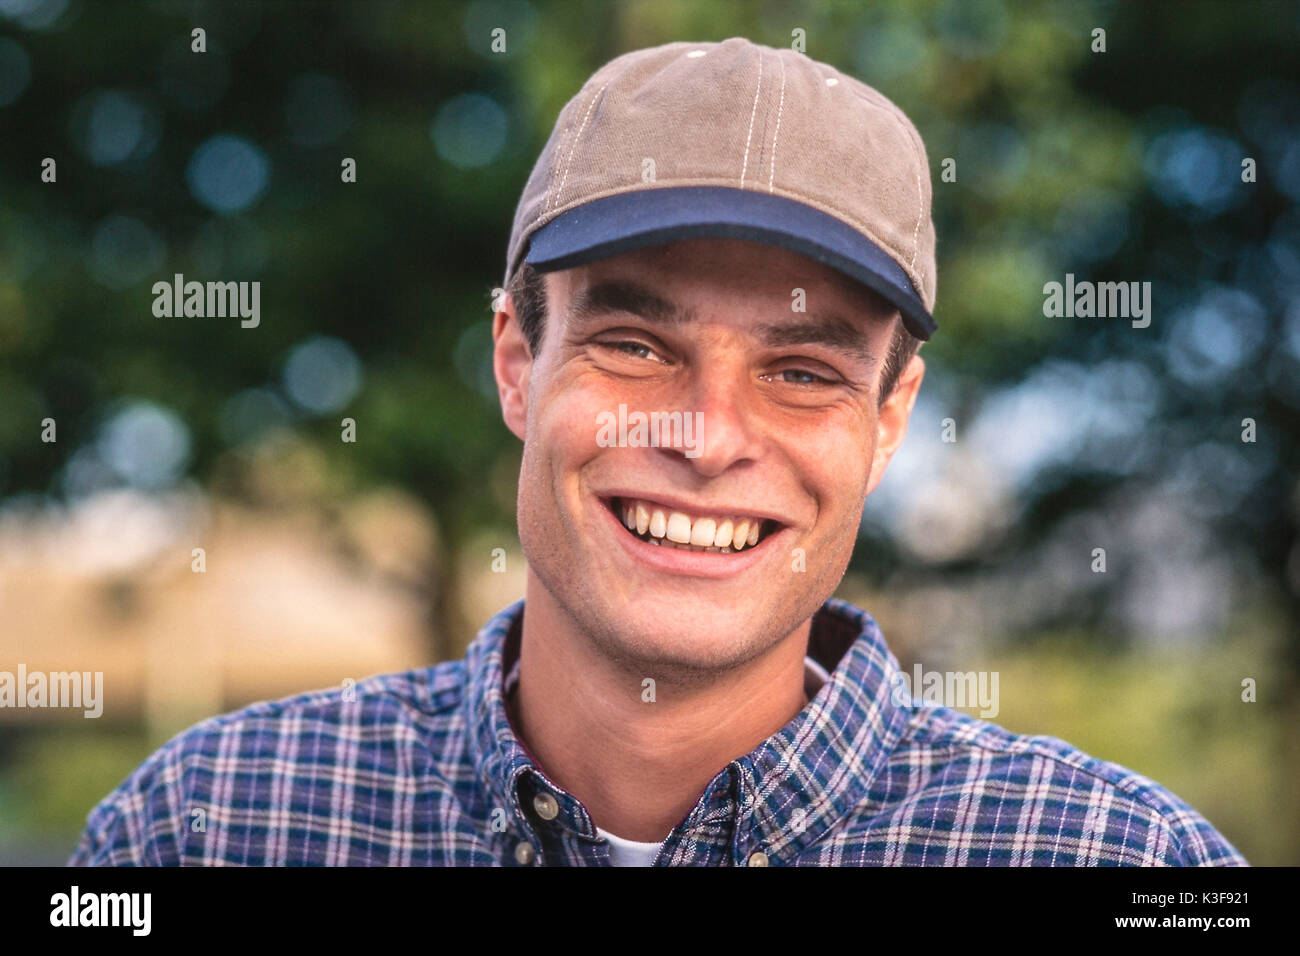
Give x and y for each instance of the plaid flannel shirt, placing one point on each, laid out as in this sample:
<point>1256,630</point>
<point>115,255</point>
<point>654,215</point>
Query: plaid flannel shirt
<point>424,768</point>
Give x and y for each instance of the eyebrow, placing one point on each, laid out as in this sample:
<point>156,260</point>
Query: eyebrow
<point>603,298</point>
<point>829,331</point>
<point>611,296</point>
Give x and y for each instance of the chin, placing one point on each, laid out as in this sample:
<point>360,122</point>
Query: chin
<point>678,633</point>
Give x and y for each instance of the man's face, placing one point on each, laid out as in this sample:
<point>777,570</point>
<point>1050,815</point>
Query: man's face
<point>792,439</point>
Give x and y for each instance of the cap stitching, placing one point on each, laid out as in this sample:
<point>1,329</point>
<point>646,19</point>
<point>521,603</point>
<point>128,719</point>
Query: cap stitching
<point>752,113</point>
<point>551,195</point>
<point>771,178</point>
<point>576,138</point>
<point>881,102</point>
<point>911,133</point>
<point>916,233</point>
<point>550,177</point>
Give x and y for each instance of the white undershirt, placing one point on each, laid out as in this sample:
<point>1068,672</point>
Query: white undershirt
<point>629,852</point>
<point>632,853</point>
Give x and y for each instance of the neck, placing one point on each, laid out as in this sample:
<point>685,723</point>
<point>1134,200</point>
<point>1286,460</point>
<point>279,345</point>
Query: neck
<point>640,767</point>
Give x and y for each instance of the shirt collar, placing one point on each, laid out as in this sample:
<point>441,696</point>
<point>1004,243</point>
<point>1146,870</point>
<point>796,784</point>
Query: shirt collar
<point>780,797</point>
<point>814,675</point>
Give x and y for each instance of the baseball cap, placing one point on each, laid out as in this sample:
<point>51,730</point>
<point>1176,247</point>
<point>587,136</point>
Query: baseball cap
<point>735,140</point>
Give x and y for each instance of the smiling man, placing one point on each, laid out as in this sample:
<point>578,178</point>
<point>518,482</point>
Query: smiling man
<point>743,236</point>
<point>652,569</point>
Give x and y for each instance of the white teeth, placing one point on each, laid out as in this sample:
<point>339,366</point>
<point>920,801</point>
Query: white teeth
<point>679,528</point>
<point>684,547</point>
<point>725,535</point>
<point>702,532</point>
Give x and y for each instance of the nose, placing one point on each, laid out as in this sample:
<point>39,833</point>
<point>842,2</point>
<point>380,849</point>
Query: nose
<point>723,413</point>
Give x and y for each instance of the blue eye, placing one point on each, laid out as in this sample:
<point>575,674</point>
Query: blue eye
<point>809,377</point>
<point>631,348</point>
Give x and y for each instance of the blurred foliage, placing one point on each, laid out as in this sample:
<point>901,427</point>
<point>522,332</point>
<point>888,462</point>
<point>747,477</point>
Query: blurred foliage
<point>1054,149</point>
<point>53,772</point>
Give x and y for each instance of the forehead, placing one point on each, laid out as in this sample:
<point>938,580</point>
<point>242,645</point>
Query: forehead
<point>731,270</point>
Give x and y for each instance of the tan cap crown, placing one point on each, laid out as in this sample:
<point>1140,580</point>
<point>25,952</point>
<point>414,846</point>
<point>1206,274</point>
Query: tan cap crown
<point>741,115</point>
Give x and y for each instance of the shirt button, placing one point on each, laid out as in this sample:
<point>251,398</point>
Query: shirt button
<point>525,853</point>
<point>546,806</point>
<point>757,859</point>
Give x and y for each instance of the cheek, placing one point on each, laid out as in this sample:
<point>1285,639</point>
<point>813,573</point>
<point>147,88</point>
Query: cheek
<point>836,464</point>
<point>839,480</point>
<point>563,426</point>
<point>568,421</point>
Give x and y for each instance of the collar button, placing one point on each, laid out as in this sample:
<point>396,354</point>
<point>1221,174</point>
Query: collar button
<point>525,853</point>
<point>758,858</point>
<point>546,806</point>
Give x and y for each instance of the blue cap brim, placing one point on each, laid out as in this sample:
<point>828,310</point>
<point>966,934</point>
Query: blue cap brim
<point>616,224</point>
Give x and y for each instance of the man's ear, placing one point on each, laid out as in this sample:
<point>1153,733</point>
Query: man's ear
<point>891,425</point>
<point>512,363</point>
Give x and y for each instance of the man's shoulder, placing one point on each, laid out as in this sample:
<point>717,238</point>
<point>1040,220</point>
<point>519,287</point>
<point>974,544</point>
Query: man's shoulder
<point>1055,802</point>
<point>417,696</point>
<point>384,725</point>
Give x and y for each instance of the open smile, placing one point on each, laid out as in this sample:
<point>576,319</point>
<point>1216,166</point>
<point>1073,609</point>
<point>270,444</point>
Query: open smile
<point>665,526</point>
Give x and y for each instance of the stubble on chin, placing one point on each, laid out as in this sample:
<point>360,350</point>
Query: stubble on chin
<point>673,653</point>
